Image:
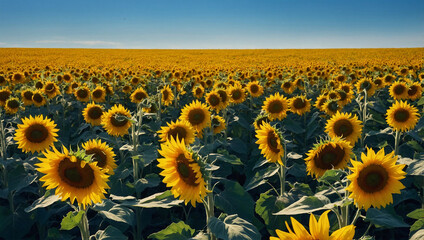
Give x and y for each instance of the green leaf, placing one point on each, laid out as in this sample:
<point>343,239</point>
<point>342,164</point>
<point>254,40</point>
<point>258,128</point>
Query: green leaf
<point>233,228</point>
<point>415,167</point>
<point>43,201</point>
<point>235,200</point>
<point>238,146</point>
<point>71,220</point>
<point>331,176</point>
<point>110,233</point>
<point>418,235</point>
<point>175,231</point>
<point>18,178</point>
<point>158,200</point>
<point>293,126</point>
<point>261,176</point>
<point>266,206</point>
<point>416,214</point>
<point>225,157</point>
<point>382,217</point>
<point>419,224</point>
<point>309,204</point>
<point>150,180</point>
<point>119,214</point>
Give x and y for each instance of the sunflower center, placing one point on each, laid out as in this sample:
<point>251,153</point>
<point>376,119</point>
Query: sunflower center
<point>412,90</point>
<point>332,95</point>
<point>196,116</point>
<point>388,79</point>
<point>342,95</point>
<point>275,106</point>
<point>223,95</point>
<point>254,88</point>
<point>82,93</point>
<point>214,100</point>
<point>262,120</point>
<point>98,156</point>
<point>140,95</point>
<point>378,82</point>
<point>50,88</point>
<point>366,85</point>
<point>198,91</point>
<point>37,97</point>
<point>4,96</point>
<point>73,174</point>
<point>98,93</point>
<point>36,133</point>
<point>177,132</point>
<point>118,120</point>
<point>66,77</point>
<point>373,178</point>
<point>401,115</point>
<point>165,95</point>
<point>286,85</point>
<point>272,142</point>
<point>346,89</point>
<point>28,95</point>
<point>13,104</point>
<point>95,112</point>
<point>343,128</point>
<point>329,157</point>
<point>236,94</point>
<point>185,171</point>
<point>333,106</point>
<point>299,103</point>
<point>399,89</point>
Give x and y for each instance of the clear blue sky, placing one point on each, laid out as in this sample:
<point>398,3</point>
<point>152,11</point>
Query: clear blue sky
<point>212,24</point>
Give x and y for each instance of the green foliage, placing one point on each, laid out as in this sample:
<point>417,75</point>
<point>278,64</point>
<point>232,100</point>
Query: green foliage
<point>233,228</point>
<point>71,220</point>
<point>175,231</point>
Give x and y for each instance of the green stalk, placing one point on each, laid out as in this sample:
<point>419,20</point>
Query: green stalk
<point>283,170</point>
<point>136,171</point>
<point>397,139</point>
<point>364,118</point>
<point>84,227</point>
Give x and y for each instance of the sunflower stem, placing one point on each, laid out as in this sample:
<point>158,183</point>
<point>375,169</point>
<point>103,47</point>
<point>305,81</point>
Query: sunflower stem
<point>397,139</point>
<point>160,106</point>
<point>339,220</point>
<point>283,170</point>
<point>84,226</point>
<point>364,119</point>
<point>366,232</point>
<point>358,213</point>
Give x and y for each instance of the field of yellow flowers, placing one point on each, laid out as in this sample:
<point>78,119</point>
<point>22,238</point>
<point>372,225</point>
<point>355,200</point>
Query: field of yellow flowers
<point>212,144</point>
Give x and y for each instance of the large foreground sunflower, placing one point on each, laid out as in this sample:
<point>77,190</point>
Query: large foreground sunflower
<point>401,116</point>
<point>326,155</point>
<point>182,172</point>
<point>375,179</point>
<point>197,114</point>
<point>36,134</point>
<point>318,230</point>
<point>116,121</point>
<point>101,153</point>
<point>270,143</point>
<point>276,106</point>
<point>73,178</point>
<point>344,125</point>
<point>180,130</point>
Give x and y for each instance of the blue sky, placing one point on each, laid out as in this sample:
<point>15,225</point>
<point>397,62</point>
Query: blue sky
<point>211,24</point>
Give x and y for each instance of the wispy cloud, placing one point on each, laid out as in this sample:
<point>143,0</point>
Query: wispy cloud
<point>2,43</point>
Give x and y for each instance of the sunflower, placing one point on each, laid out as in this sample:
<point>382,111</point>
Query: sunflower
<point>269,141</point>
<point>388,79</point>
<point>181,130</point>
<point>259,120</point>
<point>218,124</point>
<point>331,107</point>
<point>344,98</point>
<point>73,178</point>
<point>38,98</point>
<point>330,154</point>
<point>224,97</point>
<point>375,179</point>
<point>197,114</point>
<point>82,94</point>
<point>214,100</point>
<point>276,106</point>
<point>346,87</point>
<point>415,91</point>
<point>237,94</point>
<point>117,121</point>
<point>288,86</point>
<point>138,95</point>
<point>93,114</point>
<point>344,125</point>
<point>12,105</point>
<point>319,103</point>
<point>51,89</point>
<point>402,116</point>
<point>398,90</point>
<point>167,95</point>
<point>198,91</point>
<point>366,84</point>
<point>4,95</point>
<point>26,96</point>
<point>299,105</point>
<point>3,80</point>
<point>127,89</point>
<point>36,134</point>
<point>67,77</point>
<point>255,89</point>
<point>102,154</point>
<point>18,78</point>
<point>317,230</point>
<point>98,94</point>
<point>182,172</point>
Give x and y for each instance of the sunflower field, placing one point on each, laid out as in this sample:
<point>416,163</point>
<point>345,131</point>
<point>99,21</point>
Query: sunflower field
<point>212,144</point>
